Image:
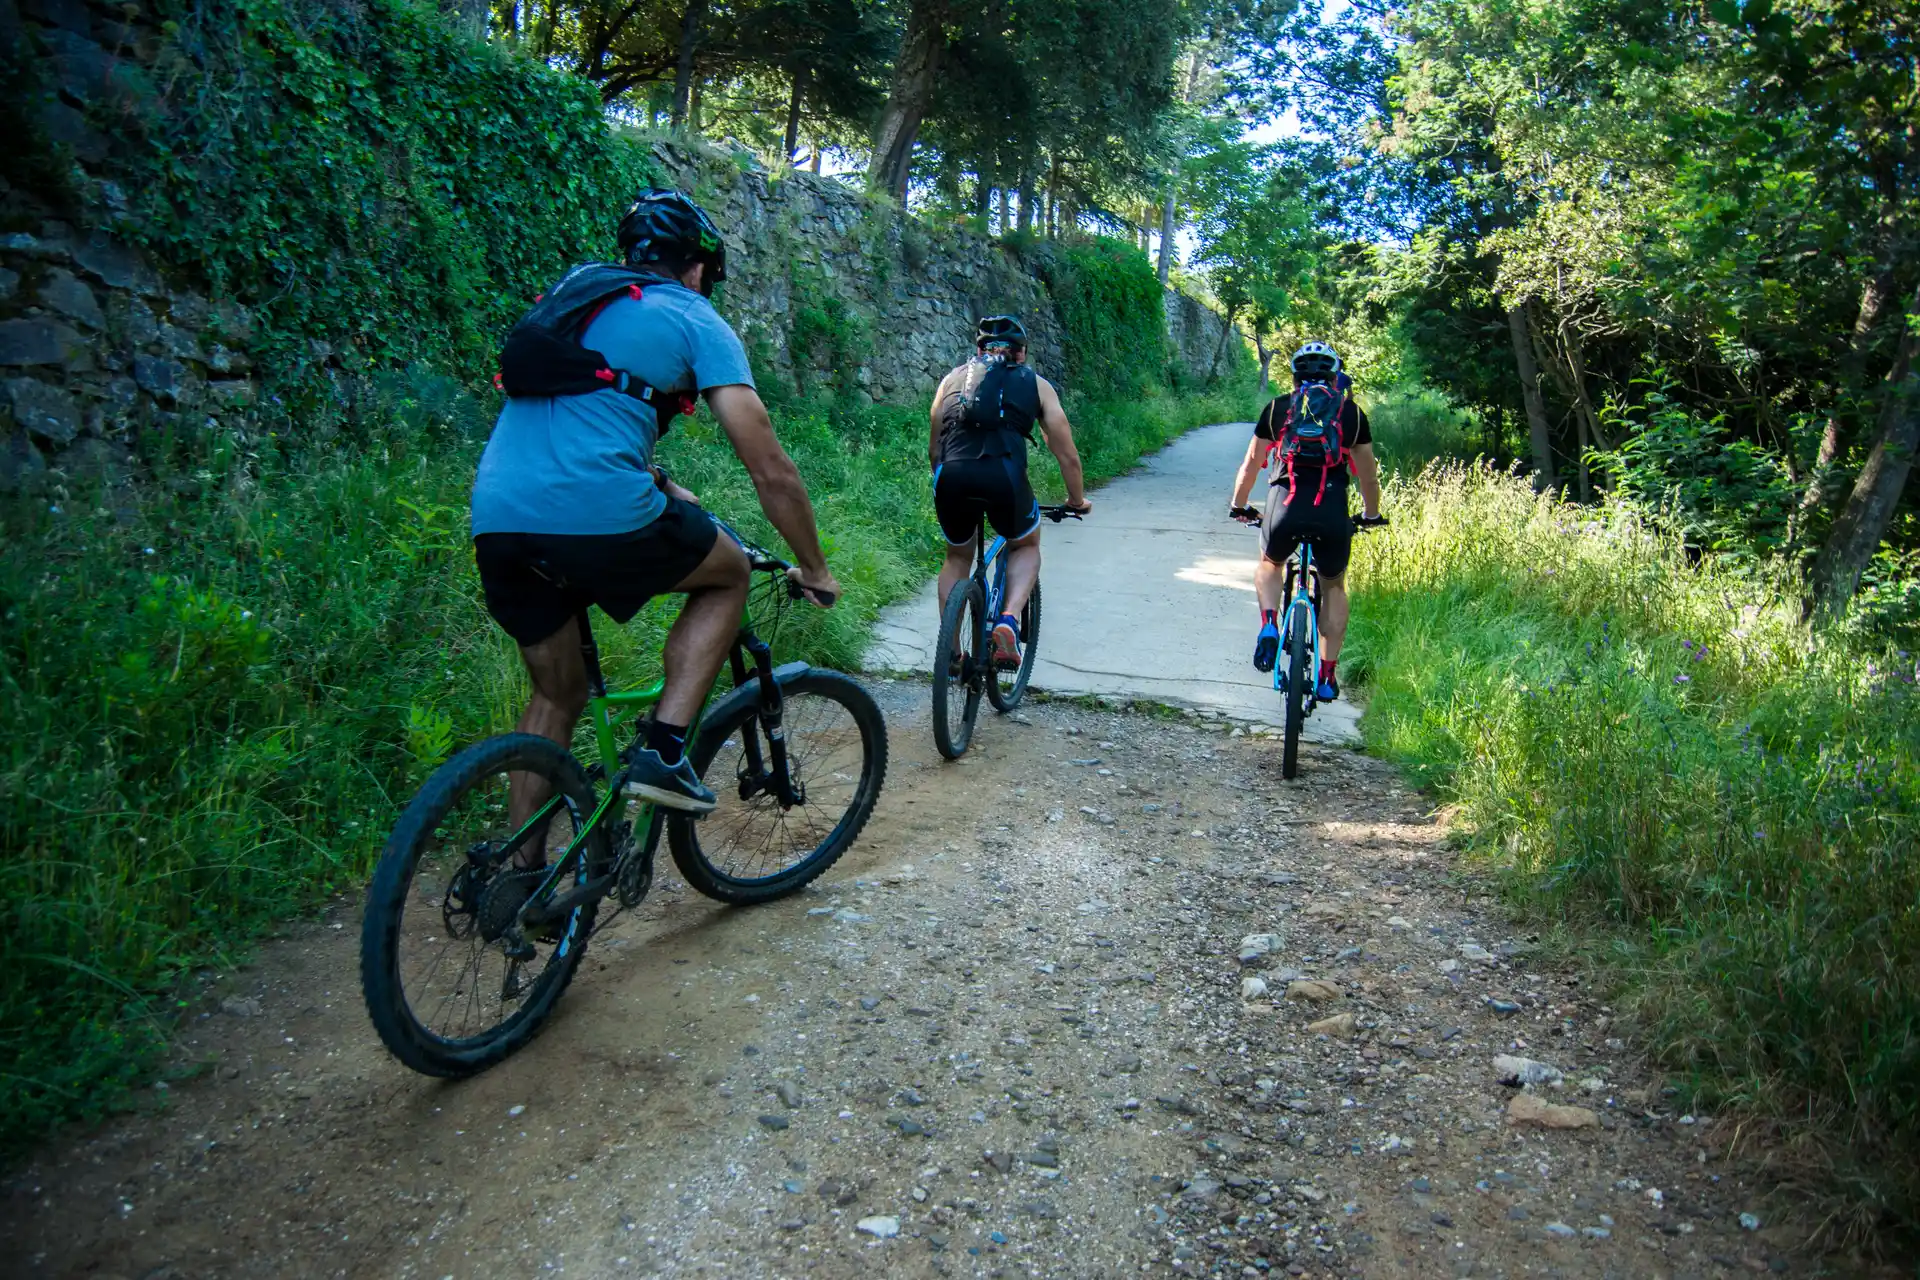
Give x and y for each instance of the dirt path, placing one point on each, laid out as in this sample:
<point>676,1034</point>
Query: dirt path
<point>1009,1026</point>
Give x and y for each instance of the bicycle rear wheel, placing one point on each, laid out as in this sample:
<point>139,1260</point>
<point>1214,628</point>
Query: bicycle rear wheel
<point>441,987</point>
<point>956,692</point>
<point>1005,689</point>
<point>1299,623</point>
<point>751,849</point>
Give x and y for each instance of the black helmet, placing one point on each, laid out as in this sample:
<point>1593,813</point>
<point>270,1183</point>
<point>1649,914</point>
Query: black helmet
<point>663,225</point>
<point>1005,329</point>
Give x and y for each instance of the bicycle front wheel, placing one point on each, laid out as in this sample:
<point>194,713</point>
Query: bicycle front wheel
<point>962,663</point>
<point>753,848</point>
<point>451,985</point>
<point>1006,688</point>
<point>1299,623</point>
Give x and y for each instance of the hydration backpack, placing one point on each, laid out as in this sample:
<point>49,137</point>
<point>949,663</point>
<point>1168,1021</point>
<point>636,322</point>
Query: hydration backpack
<point>1006,398</point>
<point>1310,433</point>
<point>543,356</point>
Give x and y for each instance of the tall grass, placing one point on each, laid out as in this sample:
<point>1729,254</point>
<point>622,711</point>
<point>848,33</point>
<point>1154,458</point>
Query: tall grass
<point>1658,747</point>
<point>221,686</point>
<point>1414,425</point>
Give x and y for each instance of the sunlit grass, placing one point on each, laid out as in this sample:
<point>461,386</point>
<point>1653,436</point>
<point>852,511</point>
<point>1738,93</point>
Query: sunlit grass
<point>1658,747</point>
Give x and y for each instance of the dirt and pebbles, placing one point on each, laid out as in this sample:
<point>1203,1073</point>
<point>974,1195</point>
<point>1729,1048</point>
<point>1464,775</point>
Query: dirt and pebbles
<point>1011,1034</point>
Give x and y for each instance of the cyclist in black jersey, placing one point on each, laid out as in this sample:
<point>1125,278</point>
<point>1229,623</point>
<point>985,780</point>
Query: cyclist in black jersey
<point>1312,508</point>
<point>983,415</point>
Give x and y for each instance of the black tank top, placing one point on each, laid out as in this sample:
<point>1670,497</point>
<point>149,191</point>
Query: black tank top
<point>991,413</point>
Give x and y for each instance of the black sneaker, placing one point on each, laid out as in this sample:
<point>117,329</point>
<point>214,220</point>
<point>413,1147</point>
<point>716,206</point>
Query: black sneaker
<point>669,786</point>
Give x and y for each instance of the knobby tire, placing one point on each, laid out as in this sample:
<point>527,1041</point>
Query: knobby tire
<point>963,620</point>
<point>418,834</point>
<point>1299,620</point>
<point>1006,696</point>
<point>705,849</point>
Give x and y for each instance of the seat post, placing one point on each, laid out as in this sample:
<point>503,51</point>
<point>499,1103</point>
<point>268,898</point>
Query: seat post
<point>590,655</point>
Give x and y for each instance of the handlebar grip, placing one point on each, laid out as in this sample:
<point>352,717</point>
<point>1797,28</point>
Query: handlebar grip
<point>798,592</point>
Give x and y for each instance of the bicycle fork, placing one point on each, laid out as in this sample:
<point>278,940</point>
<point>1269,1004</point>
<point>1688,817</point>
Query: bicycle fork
<point>757,777</point>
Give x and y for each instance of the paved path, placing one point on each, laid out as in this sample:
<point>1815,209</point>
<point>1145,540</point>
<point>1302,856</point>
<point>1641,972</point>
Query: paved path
<point>1150,597</point>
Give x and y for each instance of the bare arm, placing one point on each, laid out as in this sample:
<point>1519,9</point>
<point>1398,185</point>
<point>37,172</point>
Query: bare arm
<point>934,424</point>
<point>775,479</point>
<point>1059,433</point>
<point>1366,473</point>
<point>1249,471</point>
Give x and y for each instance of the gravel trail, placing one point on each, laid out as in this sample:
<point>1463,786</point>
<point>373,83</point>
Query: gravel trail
<point>1105,998</point>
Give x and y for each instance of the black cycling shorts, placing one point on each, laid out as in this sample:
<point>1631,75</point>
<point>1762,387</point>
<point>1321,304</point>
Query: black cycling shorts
<point>536,582</point>
<point>1325,526</point>
<point>997,487</point>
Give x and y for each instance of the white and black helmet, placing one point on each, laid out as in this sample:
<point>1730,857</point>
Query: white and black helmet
<point>1316,360</point>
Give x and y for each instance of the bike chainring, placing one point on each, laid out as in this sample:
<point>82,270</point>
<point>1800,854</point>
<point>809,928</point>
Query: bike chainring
<point>636,866</point>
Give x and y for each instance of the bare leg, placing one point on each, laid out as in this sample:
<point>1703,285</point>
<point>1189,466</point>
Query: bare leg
<point>1333,616</point>
<point>1268,579</point>
<point>1023,570</point>
<point>697,645</point>
<point>956,567</point>
<point>559,679</point>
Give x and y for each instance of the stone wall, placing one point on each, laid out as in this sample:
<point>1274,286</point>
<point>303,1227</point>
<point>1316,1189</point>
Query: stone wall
<point>98,344</point>
<point>1194,337</point>
<point>911,292</point>
<point>915,290</point>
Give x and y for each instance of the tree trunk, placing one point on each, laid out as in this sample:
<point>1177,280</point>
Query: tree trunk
<point>909,98</point>
<point>814,164</point>
<point>1167,214</point>
<point>1520,326</point>
<point>1822,488</point>
<point>1026,198</point>
<point>1863,522</point>
<point>1266,360</point>
<point>793,118</point>
<point>683,71</point>
<point>1226,331</point>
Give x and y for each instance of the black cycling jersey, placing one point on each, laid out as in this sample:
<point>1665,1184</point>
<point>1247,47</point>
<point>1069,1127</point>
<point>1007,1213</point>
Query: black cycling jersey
<point>990,412</point>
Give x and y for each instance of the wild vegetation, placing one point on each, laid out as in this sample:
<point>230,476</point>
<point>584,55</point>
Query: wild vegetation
<point>1651,265</point>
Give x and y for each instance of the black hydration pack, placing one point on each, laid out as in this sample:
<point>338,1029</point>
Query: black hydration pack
<point>1006,398</point>
<point>544,356</point>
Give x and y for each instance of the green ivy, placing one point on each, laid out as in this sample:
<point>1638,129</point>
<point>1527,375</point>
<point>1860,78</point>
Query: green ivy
<point>365,173</point>
<point>1111,312</point>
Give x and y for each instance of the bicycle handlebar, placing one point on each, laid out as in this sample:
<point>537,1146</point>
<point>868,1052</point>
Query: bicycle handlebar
<point>1250,516</point>
<point>1062,512</point>
<point>761,560</point>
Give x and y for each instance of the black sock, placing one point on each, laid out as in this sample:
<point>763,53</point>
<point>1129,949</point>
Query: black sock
<point>669,741</point>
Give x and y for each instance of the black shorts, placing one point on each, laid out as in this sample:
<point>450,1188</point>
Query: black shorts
<point>996,487</point>
<point>1327,528</point>
<point>536,582</point>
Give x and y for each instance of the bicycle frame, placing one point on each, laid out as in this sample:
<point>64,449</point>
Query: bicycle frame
<point>991,569</point>
<point>602,706</point>
<point>1304,584</point>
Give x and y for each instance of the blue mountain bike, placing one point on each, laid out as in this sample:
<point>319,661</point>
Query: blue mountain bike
<point>1296,674</point>
<point>963,663</point>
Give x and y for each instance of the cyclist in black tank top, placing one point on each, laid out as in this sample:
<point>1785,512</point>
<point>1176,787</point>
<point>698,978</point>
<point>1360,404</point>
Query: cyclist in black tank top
<point>984,412</point>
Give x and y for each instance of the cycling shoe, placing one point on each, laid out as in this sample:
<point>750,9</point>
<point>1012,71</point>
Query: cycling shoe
<point>1266,647</point>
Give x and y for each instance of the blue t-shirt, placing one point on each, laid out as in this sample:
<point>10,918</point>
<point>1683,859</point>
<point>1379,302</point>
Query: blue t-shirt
<point>579,464</point>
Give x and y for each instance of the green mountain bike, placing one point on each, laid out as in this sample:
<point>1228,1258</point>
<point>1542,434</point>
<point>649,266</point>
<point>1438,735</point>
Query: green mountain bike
<point>461,965</point>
